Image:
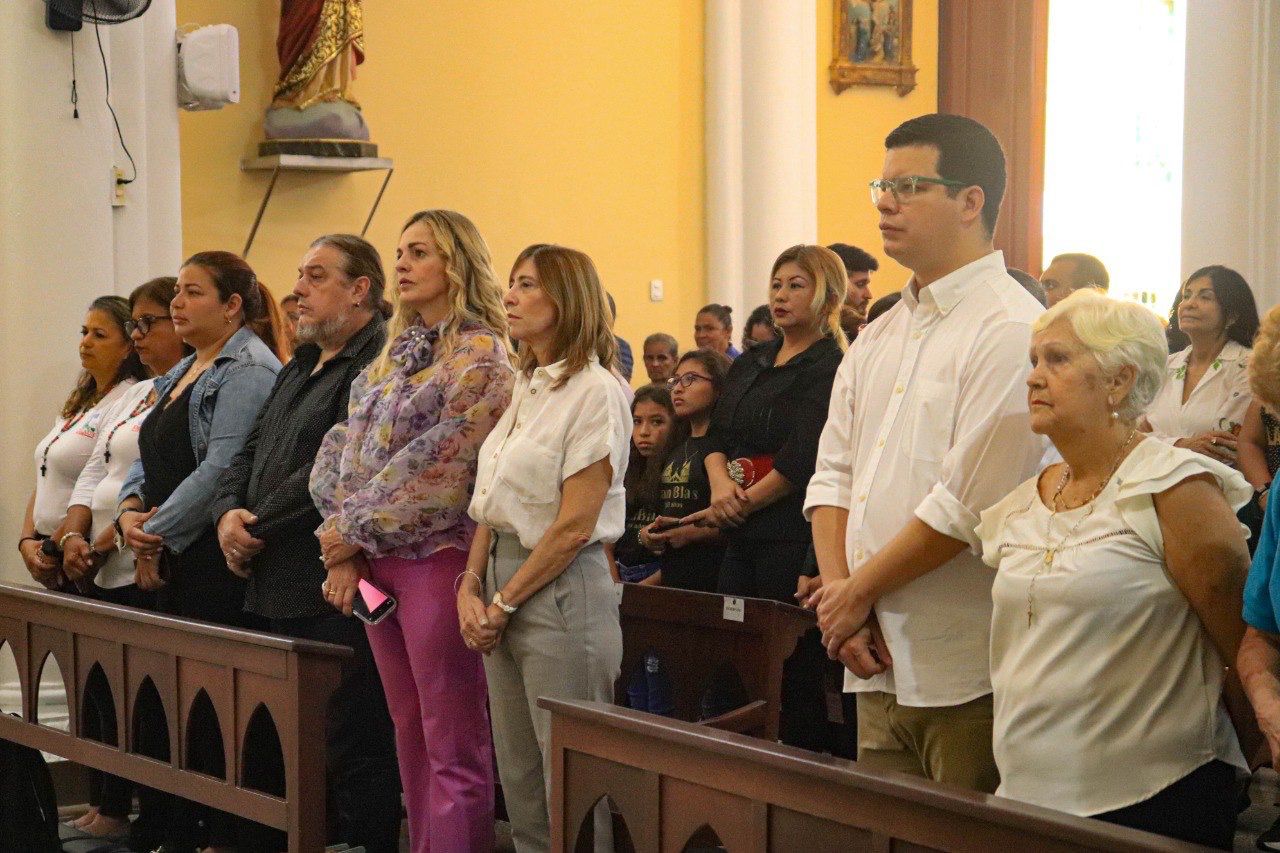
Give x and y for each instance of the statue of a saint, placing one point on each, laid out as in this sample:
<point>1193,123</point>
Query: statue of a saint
<point>321,42</point>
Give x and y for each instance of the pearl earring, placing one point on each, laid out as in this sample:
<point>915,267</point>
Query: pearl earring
<point>1115,416</point>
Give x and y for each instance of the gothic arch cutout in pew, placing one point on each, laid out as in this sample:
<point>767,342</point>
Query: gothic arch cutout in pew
<point>98,718</point>
<point>705,838</point>
<point>204,749</point>
<point>50,679</point>
<point>149,729</point>
<point>168,677</point>
<point>261,755</point>
<point>622,842</point>
<point>10,702</point>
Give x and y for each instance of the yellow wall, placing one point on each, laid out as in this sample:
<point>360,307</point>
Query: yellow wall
<point>543,120</point>
<point>577,123</point>
<point>851,131</point>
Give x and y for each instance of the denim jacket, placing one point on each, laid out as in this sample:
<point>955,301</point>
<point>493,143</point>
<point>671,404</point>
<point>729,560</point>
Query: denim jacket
<point>224,404</point>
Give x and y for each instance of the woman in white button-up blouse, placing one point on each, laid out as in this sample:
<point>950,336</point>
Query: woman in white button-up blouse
<point>537,596</point>
<point>1206,390</point>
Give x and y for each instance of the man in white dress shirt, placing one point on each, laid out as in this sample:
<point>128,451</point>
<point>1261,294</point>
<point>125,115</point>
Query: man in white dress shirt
<point>928,426</point>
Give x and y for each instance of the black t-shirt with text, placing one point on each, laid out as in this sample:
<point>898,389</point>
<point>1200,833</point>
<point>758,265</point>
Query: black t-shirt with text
<point>685,489</point>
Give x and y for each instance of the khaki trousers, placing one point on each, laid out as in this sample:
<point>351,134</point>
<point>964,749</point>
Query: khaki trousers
<point>564,642</point>
<point>945,744</point>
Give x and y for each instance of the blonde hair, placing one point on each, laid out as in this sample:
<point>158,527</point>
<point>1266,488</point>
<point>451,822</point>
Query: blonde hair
<point>830,281</point>
<point>474,292</point>
<point>1116,333</point>
<point>582,330</point>
<point>1264,364</point>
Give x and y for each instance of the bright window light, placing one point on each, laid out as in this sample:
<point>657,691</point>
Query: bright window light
<point>1113,141</point>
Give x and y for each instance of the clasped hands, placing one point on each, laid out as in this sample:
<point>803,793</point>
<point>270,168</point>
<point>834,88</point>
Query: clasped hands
<point>81,560</point>
<point>345,565</point>
<point>481,625</point>
<point>147,548</point>
<point>730,506</point>
<point>850,631</point>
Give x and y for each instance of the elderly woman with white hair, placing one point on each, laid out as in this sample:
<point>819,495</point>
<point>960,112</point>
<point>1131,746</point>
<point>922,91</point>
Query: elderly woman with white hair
<point>1117,594</point>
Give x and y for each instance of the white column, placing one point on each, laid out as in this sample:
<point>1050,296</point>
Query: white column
<point>1231,142</point>
<point>61,241</point>
<point>723,110</point>
<point>761,141</point>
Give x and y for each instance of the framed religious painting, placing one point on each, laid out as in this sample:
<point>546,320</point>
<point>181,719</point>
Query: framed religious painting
<point>872,45</point>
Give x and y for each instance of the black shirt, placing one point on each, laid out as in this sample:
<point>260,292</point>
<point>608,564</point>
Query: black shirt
<point>168,458</point>
<point>627,550</point>
<point>685,490</point>
<point>778,411</point>
<point>271,476</point>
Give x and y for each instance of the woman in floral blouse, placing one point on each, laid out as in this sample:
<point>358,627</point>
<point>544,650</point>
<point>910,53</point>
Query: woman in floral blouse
<point>393,484</point>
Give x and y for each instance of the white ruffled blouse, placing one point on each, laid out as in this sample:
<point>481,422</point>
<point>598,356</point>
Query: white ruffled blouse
<point>1106,686</point>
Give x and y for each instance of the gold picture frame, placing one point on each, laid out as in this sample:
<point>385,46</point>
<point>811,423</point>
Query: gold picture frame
<point>871,45</point>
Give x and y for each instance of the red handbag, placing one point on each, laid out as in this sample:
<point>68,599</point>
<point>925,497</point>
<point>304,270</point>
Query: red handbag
<point>747,470</point>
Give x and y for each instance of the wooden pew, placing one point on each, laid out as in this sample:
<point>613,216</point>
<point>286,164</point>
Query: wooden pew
<point>183,670</point>
<point>674,784</point>
<point>695,632</point>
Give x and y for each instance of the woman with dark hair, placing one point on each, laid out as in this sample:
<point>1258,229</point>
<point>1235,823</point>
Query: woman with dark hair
<point>759,328</point>
<point>204,410</point>
<point>159,348</point>
<point>1206,394</point>
<point>689,556</point>
<point>110,368</point>
<point>111,373</point>
<point>713,330</point>
<point>98,558</point>
<point>652,421</point>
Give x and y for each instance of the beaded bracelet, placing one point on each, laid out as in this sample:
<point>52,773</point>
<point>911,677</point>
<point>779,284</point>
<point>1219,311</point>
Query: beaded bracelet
<point>62,543</point>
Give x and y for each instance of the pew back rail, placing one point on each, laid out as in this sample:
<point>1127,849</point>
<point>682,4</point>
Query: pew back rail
<point>674,783</point>
<point>242,683</point>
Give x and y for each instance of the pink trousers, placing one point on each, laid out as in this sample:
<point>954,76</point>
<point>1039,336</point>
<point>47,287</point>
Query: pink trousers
<point>436,692</point>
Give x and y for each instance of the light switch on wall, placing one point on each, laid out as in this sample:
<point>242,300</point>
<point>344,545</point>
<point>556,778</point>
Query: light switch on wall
<point>655,290</point>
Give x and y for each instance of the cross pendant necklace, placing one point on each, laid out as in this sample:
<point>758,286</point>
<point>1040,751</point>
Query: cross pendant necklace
<point>1052,548</point>
<point>44,457</point>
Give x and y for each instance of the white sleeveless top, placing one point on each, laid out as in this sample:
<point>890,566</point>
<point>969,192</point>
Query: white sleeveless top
<point>1112,693</point>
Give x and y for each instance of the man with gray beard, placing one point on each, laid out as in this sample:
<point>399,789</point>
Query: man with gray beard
<point>266,528</point>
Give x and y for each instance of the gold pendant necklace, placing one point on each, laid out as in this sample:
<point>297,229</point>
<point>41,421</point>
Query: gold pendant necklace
<point>1051,548</point>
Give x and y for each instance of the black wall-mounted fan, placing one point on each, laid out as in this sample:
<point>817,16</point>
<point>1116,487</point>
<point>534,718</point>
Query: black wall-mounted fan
<point>70,15</point>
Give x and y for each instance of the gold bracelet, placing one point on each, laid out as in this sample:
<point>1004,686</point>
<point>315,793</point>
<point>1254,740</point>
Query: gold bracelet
<point>457,582</point>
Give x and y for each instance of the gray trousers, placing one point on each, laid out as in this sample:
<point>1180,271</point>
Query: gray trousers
<point>564,642</point>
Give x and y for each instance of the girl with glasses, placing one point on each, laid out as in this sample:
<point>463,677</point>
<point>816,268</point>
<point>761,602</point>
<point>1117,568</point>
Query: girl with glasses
<point>688,556</point>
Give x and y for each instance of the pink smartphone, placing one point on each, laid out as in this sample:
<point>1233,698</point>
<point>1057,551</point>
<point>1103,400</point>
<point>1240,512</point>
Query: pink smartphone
<point>371,605</point>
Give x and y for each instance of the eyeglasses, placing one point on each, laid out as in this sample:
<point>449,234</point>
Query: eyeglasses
<point>907,187</point>
<point>143,324</point>
<point>684,380</point>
